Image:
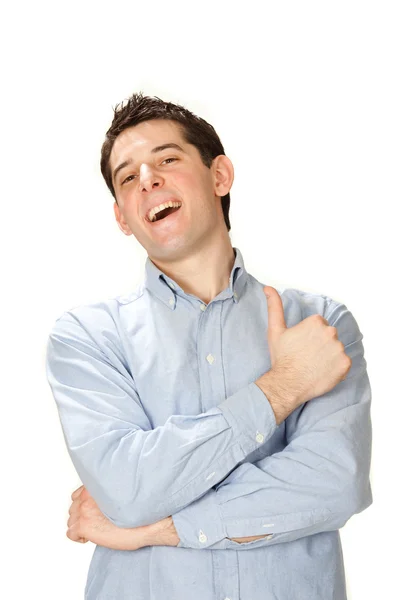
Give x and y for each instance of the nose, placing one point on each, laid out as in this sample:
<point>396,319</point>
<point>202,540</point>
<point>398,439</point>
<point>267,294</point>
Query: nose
<point>149,178</point>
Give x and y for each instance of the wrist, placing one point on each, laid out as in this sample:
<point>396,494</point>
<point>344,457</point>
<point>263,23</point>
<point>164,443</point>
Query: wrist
<point>133,538</point>
<point>280,397</point>
<point>162,533</point>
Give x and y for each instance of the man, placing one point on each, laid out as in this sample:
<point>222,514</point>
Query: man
<point>222,437</point>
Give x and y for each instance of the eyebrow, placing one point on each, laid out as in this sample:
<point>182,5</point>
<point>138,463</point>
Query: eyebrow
<point>153,151</point>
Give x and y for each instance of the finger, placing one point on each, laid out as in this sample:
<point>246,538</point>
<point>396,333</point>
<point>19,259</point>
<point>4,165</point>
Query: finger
<point>77,492</point>
<point>72,520</point>
<point>75,506</point>
<point>73,532</point>
<point>276,316</point>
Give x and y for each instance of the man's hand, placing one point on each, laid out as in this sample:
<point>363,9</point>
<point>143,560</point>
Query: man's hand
<point>87,523</point>
<point>307,360</point>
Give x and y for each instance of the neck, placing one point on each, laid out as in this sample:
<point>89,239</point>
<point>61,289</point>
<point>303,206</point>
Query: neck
<point>204,272</point>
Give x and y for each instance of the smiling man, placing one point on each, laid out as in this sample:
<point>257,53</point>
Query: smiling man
<point>170,201</point>
<point>221,429</point>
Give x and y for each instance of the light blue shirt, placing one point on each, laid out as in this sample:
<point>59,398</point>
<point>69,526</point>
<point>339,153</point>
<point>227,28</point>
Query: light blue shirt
<point>161,416</point>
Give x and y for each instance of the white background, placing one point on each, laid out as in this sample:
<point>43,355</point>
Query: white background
<point>305,98</point>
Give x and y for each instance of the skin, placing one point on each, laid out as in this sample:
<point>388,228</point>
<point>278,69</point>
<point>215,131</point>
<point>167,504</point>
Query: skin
<point>87,523</point>
<point>194,249</point>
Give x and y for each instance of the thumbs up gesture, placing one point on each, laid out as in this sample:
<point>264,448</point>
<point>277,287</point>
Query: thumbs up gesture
<point>307,360</point>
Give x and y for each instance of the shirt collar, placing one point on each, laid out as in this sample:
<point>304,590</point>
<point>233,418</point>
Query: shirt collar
<point>166,289</point>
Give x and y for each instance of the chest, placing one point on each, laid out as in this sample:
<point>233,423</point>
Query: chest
<point>187,361</point>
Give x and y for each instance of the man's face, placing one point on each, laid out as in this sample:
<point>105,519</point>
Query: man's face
<point>143,179</point>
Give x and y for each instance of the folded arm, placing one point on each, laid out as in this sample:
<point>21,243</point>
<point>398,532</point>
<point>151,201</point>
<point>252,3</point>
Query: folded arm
<point>138,475</point>
<point>315,484</point>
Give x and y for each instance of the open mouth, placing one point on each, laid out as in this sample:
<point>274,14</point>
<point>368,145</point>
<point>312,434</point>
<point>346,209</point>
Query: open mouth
<point>165,212</point>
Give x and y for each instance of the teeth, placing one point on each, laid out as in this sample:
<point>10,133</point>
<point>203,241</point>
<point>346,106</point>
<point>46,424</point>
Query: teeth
<point>157,209</point>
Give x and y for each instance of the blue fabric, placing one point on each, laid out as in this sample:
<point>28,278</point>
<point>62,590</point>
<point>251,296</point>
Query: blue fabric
<point>161,416</point>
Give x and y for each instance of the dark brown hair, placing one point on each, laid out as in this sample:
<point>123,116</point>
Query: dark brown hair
<point>195,131</point>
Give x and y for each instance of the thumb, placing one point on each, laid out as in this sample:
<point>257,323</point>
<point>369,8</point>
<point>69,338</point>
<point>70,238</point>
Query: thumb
<point>276,316</point>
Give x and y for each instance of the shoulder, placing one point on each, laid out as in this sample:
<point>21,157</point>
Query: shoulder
<point>308,303</point>
<point>334,311</point>
<point>100,320</point>
<point>299,304</point>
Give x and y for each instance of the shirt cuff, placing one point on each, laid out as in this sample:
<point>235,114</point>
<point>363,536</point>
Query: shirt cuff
<point>251,417</point>
<point>199,524</point>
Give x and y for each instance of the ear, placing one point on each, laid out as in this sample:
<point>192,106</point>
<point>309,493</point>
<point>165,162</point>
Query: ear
<point>122,224</point>
<point>223,175</point>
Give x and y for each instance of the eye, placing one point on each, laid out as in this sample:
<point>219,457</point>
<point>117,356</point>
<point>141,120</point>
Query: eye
<point>127,179</point>
<point>130,177</point>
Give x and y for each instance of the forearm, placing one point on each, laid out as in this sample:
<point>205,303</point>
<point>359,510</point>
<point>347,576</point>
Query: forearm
<point>114,448</point>
<point>168,536</point>
<point>277,391</point>
<point>165,534</point>
<point>308,487</point>
<point>162,533</point>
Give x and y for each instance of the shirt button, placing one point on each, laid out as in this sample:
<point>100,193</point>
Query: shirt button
<point>259,437</point>
<point>171,301</point>
<point>210,359</point>
<point>203,307</point>
<point>172,285</point>
<point>235,294</point>
<point>202,537</point>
